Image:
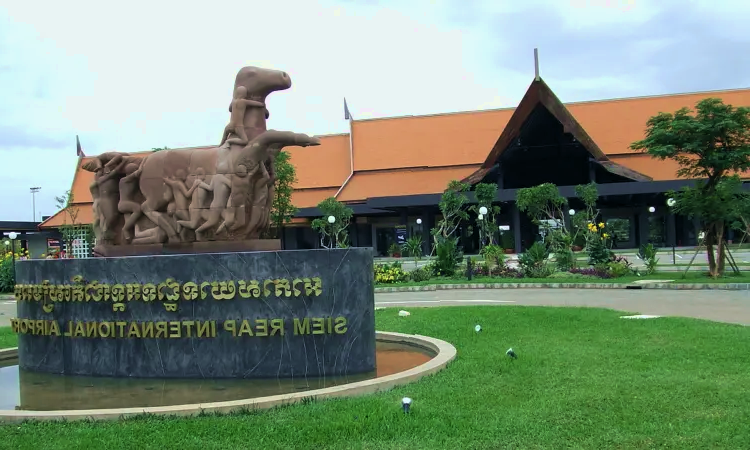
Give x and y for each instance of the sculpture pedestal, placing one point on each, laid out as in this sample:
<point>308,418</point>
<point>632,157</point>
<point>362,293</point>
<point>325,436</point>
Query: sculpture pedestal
<point>254,245</point>
<point>297,313</point>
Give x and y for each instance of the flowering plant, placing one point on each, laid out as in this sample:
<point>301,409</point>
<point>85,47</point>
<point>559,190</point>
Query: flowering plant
<point>390,273</point>
<point>598,244</point>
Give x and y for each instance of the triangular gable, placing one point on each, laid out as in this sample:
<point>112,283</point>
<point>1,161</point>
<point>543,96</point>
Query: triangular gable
<point>540,93</point>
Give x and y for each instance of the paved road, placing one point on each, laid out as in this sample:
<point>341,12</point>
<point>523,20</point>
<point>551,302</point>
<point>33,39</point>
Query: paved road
<point>722,306</point>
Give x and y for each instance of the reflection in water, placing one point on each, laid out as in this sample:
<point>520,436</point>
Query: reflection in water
<point>44,392</point>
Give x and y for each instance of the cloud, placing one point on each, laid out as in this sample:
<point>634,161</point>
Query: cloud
<point>127,80</point>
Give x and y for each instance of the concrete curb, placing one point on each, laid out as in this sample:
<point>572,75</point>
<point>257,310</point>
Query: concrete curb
<point>670,286</point>
<point>445,353</point>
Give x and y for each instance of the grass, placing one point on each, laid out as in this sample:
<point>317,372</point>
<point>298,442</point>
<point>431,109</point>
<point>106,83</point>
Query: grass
<point>584,379</point>
<point>7,338</point>
<point>676,276</point>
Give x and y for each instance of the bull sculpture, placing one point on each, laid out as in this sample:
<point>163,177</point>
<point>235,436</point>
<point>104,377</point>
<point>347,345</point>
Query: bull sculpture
<point>200,197</point>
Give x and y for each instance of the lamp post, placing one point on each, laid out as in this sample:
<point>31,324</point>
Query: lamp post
<point>13,235</point>
<point>33,191</point>
<point>670,203</point>
<point>331,220</point>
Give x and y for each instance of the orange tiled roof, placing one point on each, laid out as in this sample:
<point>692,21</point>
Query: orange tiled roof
<point>431,180</point>
<point>441,147</point>
<point>309,198</point>
<point>85,215</point>
<point>324,166</point>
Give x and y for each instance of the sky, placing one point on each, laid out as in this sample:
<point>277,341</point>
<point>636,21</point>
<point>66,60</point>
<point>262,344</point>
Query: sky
<point>131,76</point>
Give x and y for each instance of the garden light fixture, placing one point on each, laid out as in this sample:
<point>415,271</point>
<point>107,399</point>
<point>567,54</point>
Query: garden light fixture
<point>419,221</point>
<point>651,209</point>
<point>331,219</point>
<point>572,212</point>
<point>477,328</point>
<point>482,211</point>
<point>671,202</point>
<point>406,404</point>
<point>511,353</point>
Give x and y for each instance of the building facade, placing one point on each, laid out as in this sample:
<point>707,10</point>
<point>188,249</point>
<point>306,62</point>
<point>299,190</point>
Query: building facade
<point>392,171</point>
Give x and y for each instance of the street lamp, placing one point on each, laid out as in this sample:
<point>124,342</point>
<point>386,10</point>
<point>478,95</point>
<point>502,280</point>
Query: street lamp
<point>651,209</point>
<point>13,235</point>
<point>572,212</point>
<point>483,211</point>
<point>671,202</point>
<point>33,191</point>
<point>331,220</point>
<point>419,221</point>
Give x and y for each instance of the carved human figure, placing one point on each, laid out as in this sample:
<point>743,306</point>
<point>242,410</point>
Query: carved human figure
<point>150,236</point>
<point>198,200</point>
<point>220,186</point>
<point>236,121</point>
<point>107,169</point>
<point>128,206</point>
<point>180,194</point>
<point>234,215</point>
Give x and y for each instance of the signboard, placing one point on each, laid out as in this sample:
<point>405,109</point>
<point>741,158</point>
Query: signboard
<point>401,234</point>
<point>53,243</point>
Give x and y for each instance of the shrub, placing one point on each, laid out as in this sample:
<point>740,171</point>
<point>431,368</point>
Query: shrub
<point>533,261</point>
<point>648,254</point>
<point>619,266</point>
<point>598,244</point>
<point>421,274</point>
<point>390,273</point>
<point>7,278</point>
<point>598,272</point>
<point>494,254</point>
<point>448,257</point>
<point>507,240</point>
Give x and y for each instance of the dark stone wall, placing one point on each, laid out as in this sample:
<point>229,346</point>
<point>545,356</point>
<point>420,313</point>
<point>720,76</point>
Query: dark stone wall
<point>346,290</point>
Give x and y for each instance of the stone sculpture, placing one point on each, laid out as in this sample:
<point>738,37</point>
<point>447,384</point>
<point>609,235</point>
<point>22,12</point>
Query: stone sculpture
<point>196,200</point>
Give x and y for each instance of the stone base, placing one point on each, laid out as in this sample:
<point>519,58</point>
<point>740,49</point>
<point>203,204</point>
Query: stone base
<point>254,245</point>
<point>296,313</point>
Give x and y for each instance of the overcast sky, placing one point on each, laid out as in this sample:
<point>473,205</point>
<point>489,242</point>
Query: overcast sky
<point>130,76</point>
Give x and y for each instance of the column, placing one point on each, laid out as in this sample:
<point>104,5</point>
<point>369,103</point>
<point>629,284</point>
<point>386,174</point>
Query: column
<point>404,220</point>
<point>354,233</point>
<point>671,230</point>
<point>516,226</point>
<point>374,240</point>
<point>643,229</point>
<point>428,223</point>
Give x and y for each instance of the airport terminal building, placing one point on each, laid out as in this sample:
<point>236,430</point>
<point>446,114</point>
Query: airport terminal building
<point>392,171</point>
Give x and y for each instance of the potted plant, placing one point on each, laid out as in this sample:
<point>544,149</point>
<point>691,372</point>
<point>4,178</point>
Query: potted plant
<point>394,250</point>
<point>507,241</point>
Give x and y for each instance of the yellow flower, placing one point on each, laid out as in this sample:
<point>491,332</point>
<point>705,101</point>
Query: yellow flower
<point>605,235</point>
<point>601,224</point>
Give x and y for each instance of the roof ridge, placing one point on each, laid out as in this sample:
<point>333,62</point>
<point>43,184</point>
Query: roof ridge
<point>582,102</point>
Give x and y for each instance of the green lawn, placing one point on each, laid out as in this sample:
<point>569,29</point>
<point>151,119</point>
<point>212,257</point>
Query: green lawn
<point>584,379</point>
<point>7,338</point>
<point>675,276</point>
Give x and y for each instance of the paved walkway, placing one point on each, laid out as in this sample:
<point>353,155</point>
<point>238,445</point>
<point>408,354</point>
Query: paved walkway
<point>721,306</point>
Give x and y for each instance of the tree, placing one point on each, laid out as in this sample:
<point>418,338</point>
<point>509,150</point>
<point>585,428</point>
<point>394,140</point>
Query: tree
<point>282,209</point>
<point>542,203</point>
<point>451,206</point>
<point>157,149</point>
<point>333,235</point>
<point>446,244</point>
<point>486,194</point>
<point>70,230</point>
<point>712,145</point>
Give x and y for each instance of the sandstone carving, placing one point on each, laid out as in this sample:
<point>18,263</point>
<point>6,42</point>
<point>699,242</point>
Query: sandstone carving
<point>203,196</point>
